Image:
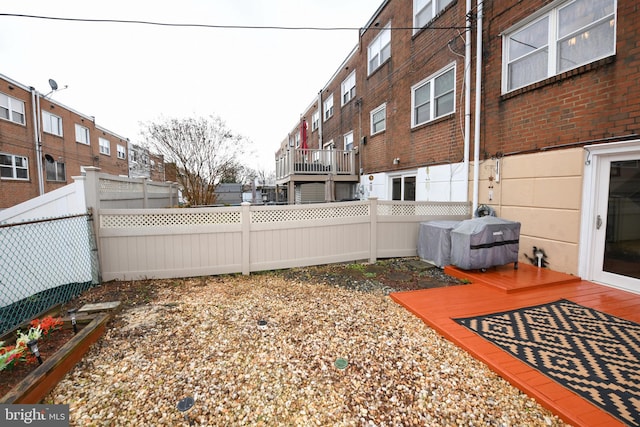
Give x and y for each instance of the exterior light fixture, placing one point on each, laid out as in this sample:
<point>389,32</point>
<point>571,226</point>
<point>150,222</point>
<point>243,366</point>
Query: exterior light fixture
<point>262,324</point>
<point>184,406</point>
<point>33,346</point>
<point>72,313</point>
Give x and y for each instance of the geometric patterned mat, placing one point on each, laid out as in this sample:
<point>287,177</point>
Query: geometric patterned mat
<point>592,353</point>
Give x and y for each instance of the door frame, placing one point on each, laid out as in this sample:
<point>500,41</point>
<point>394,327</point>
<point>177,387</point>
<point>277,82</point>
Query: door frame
<point>595,156</point>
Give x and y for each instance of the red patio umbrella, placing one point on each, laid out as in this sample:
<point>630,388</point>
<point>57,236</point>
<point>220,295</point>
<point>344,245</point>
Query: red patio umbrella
<point>303,133</point>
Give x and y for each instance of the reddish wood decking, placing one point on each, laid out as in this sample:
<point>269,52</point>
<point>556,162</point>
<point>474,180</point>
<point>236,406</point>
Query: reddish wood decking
<point>504,288</point>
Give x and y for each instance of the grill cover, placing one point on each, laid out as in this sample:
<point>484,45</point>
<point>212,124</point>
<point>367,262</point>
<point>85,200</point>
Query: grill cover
<point>484,242</point>
<point>434,242</point>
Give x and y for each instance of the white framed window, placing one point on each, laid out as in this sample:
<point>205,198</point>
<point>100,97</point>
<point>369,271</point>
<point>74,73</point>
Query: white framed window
<point>379,119</point>
<point>55,171</point>
<point>425,10</point>
<point>433,97</point>
<point>122,151</point>
<point>315,120</point>
<point>14,167</point>
<point>349,88</point>
<point>51,123</point>
<point>328,108</point>
<point>348,141</point>
<point>82,134</point>
<point>559,39</point>
<point>11,109</point>
<point>105,146</point>
<point>403,187</point>
<point>380,49</point>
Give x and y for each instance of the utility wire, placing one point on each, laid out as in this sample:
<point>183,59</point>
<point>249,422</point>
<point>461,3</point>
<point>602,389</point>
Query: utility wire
<point>232,27</point>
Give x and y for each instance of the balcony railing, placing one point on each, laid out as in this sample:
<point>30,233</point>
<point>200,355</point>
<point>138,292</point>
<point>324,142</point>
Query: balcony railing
<point>297,161</point>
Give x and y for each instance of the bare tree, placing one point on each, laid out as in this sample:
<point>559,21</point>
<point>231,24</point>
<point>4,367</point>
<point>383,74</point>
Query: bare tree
<point>204,150</point>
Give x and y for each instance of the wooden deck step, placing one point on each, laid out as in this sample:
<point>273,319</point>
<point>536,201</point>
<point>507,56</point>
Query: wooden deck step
<point>507,279</point>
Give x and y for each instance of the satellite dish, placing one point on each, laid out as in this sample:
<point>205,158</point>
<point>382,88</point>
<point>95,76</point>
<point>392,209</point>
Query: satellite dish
<point>53,84</point>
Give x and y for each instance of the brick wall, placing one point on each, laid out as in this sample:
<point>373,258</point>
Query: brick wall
<point>597,101</point>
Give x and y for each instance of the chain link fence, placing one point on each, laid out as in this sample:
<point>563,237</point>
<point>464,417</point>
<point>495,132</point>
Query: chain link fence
<point>43,263</point>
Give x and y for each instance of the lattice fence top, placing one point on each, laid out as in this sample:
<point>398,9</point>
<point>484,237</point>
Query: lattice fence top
<point>112,186</point>
<point>426,209</point>
<point>310,213</point>
<point>169,219</point>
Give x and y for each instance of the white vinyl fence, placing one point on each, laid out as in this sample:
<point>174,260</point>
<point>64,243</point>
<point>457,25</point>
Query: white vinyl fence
<point>169,243</point>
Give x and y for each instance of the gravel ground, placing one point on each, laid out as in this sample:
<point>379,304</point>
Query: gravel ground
<point>200,338</point>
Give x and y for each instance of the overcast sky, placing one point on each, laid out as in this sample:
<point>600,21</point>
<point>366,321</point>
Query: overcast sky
<point>259,81</point>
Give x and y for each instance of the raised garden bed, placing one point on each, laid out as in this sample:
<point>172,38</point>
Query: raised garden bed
<point>37,384</point>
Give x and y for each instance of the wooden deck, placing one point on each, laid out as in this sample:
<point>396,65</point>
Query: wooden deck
<point>501,289</point>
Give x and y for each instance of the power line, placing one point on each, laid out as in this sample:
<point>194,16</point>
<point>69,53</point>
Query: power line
<point>231,27</point>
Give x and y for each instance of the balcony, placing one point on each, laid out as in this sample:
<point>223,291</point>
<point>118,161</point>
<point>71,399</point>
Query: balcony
<point>297,164</point>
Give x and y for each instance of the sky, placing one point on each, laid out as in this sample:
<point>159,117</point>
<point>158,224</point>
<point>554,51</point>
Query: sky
<point>259,81</point>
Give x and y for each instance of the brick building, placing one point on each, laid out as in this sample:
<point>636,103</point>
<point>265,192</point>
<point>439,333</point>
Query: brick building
<point>44,143</point>
<point>543,126</point>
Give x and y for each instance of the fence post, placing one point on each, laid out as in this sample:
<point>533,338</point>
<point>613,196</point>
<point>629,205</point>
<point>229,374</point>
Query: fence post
<point>245,221</point>
<point>373,230</point>
<point>92,188</point>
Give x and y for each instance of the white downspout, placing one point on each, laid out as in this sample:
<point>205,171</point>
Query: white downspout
<point>35,101</point>
<point>476,132</point>
<point>467,98</point>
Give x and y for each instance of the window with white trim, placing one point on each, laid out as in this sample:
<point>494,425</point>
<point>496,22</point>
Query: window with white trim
<point>433,97</point>
<point>425,10</point>
<point>348,141</point>
<point>105,146</point>
<point>82,134</point>
<point>567,36</point>
<point>55,171</point>
<point>14,167</point>
<point>315,120</point>
<point>328,107</point>
<point>349,88</point>
<point>11,109</point>
<point>403,188</point>
<point>380,49</point>
<point>379,119</point>
<point>122,151</point>
<point>51,123</point>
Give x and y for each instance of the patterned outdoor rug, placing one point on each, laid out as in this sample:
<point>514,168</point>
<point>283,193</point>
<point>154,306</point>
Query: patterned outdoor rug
<point>591,353</point>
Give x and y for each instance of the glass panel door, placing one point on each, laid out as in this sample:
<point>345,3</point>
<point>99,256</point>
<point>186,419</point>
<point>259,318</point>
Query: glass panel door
<point>622,233</point>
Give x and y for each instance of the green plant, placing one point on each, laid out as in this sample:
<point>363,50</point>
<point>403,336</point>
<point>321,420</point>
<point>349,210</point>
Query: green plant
<point>10,355</point>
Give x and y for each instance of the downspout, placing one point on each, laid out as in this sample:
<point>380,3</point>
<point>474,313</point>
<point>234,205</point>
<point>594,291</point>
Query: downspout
<point>467,98</point>
<point>476,132</point>
<point>35,102</point>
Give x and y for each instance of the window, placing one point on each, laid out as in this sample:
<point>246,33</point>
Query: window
<point>51,123</point>
<point>328,108</point>
<point>565,37</point>
<point>433,97</point>
<point>11,109</point>
<point>379,119</point>
<point>349,88</point>
<point>13,167</point>
<point>82,134</point>
<point>403,188</point>
<point>55,170</point>
<point>380,49</point>
<point>105,146</point>
<point>315,121</point>
<point>122,152</point>
<point>348,141</point>
<point>425,10</point>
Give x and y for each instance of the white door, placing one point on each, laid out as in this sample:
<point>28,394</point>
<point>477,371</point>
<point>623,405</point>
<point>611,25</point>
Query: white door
<point>616,238</point>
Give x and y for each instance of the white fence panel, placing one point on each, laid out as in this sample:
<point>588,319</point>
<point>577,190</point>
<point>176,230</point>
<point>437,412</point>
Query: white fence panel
<point>163,243</point>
